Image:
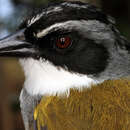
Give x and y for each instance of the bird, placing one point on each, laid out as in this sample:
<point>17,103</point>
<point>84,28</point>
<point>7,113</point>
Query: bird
<point>69,51</point>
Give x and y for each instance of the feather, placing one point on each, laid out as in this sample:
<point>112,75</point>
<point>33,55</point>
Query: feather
<point>105,106</point>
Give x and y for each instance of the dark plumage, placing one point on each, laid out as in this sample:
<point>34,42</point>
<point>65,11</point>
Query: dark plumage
<point>95,54</point>
<point>64,46</point>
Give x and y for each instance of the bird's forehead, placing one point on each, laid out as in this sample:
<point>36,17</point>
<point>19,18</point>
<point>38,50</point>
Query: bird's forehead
<point>64,12</point>
<point>44,13</point>
<point>57,9</point>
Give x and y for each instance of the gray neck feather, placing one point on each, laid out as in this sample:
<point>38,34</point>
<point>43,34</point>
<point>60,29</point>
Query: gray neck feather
<point>119,63</point>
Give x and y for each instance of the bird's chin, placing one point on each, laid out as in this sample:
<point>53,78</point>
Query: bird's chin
<point>43,78</point>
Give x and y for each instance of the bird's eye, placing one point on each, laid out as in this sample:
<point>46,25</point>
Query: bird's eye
<point>63,42</point>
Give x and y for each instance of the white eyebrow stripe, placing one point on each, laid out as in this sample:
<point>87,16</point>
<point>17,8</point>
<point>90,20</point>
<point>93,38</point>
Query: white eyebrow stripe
<point>57,26</point>
<point>92,29</point>
<point>47,30</point>
<point>71,24</point>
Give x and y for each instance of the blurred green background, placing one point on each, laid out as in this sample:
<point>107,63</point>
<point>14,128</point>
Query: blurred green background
<point>12,13</point>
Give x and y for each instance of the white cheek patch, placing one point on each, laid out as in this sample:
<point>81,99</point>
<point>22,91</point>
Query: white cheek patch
<point>43,78</point>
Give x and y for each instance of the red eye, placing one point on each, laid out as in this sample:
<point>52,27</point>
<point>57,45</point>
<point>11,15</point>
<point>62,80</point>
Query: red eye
<point>63,42</point>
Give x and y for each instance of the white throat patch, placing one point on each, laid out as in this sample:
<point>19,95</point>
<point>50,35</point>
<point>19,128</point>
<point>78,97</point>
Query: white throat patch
<point>43,78</point>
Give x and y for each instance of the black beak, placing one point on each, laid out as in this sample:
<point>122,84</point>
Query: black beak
<point>16,46</point>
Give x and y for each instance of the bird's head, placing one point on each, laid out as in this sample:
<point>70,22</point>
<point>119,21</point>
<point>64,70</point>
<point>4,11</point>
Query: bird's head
<point>69,44</point>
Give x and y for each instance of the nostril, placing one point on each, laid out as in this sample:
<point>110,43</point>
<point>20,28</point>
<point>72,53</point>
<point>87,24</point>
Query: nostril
<point>21,37</point>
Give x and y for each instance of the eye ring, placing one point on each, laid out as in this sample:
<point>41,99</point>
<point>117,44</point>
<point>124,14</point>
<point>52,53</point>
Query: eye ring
<point>63,42</point>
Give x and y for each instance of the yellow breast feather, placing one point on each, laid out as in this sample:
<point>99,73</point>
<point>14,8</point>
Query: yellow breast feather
<point>102,107</point>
